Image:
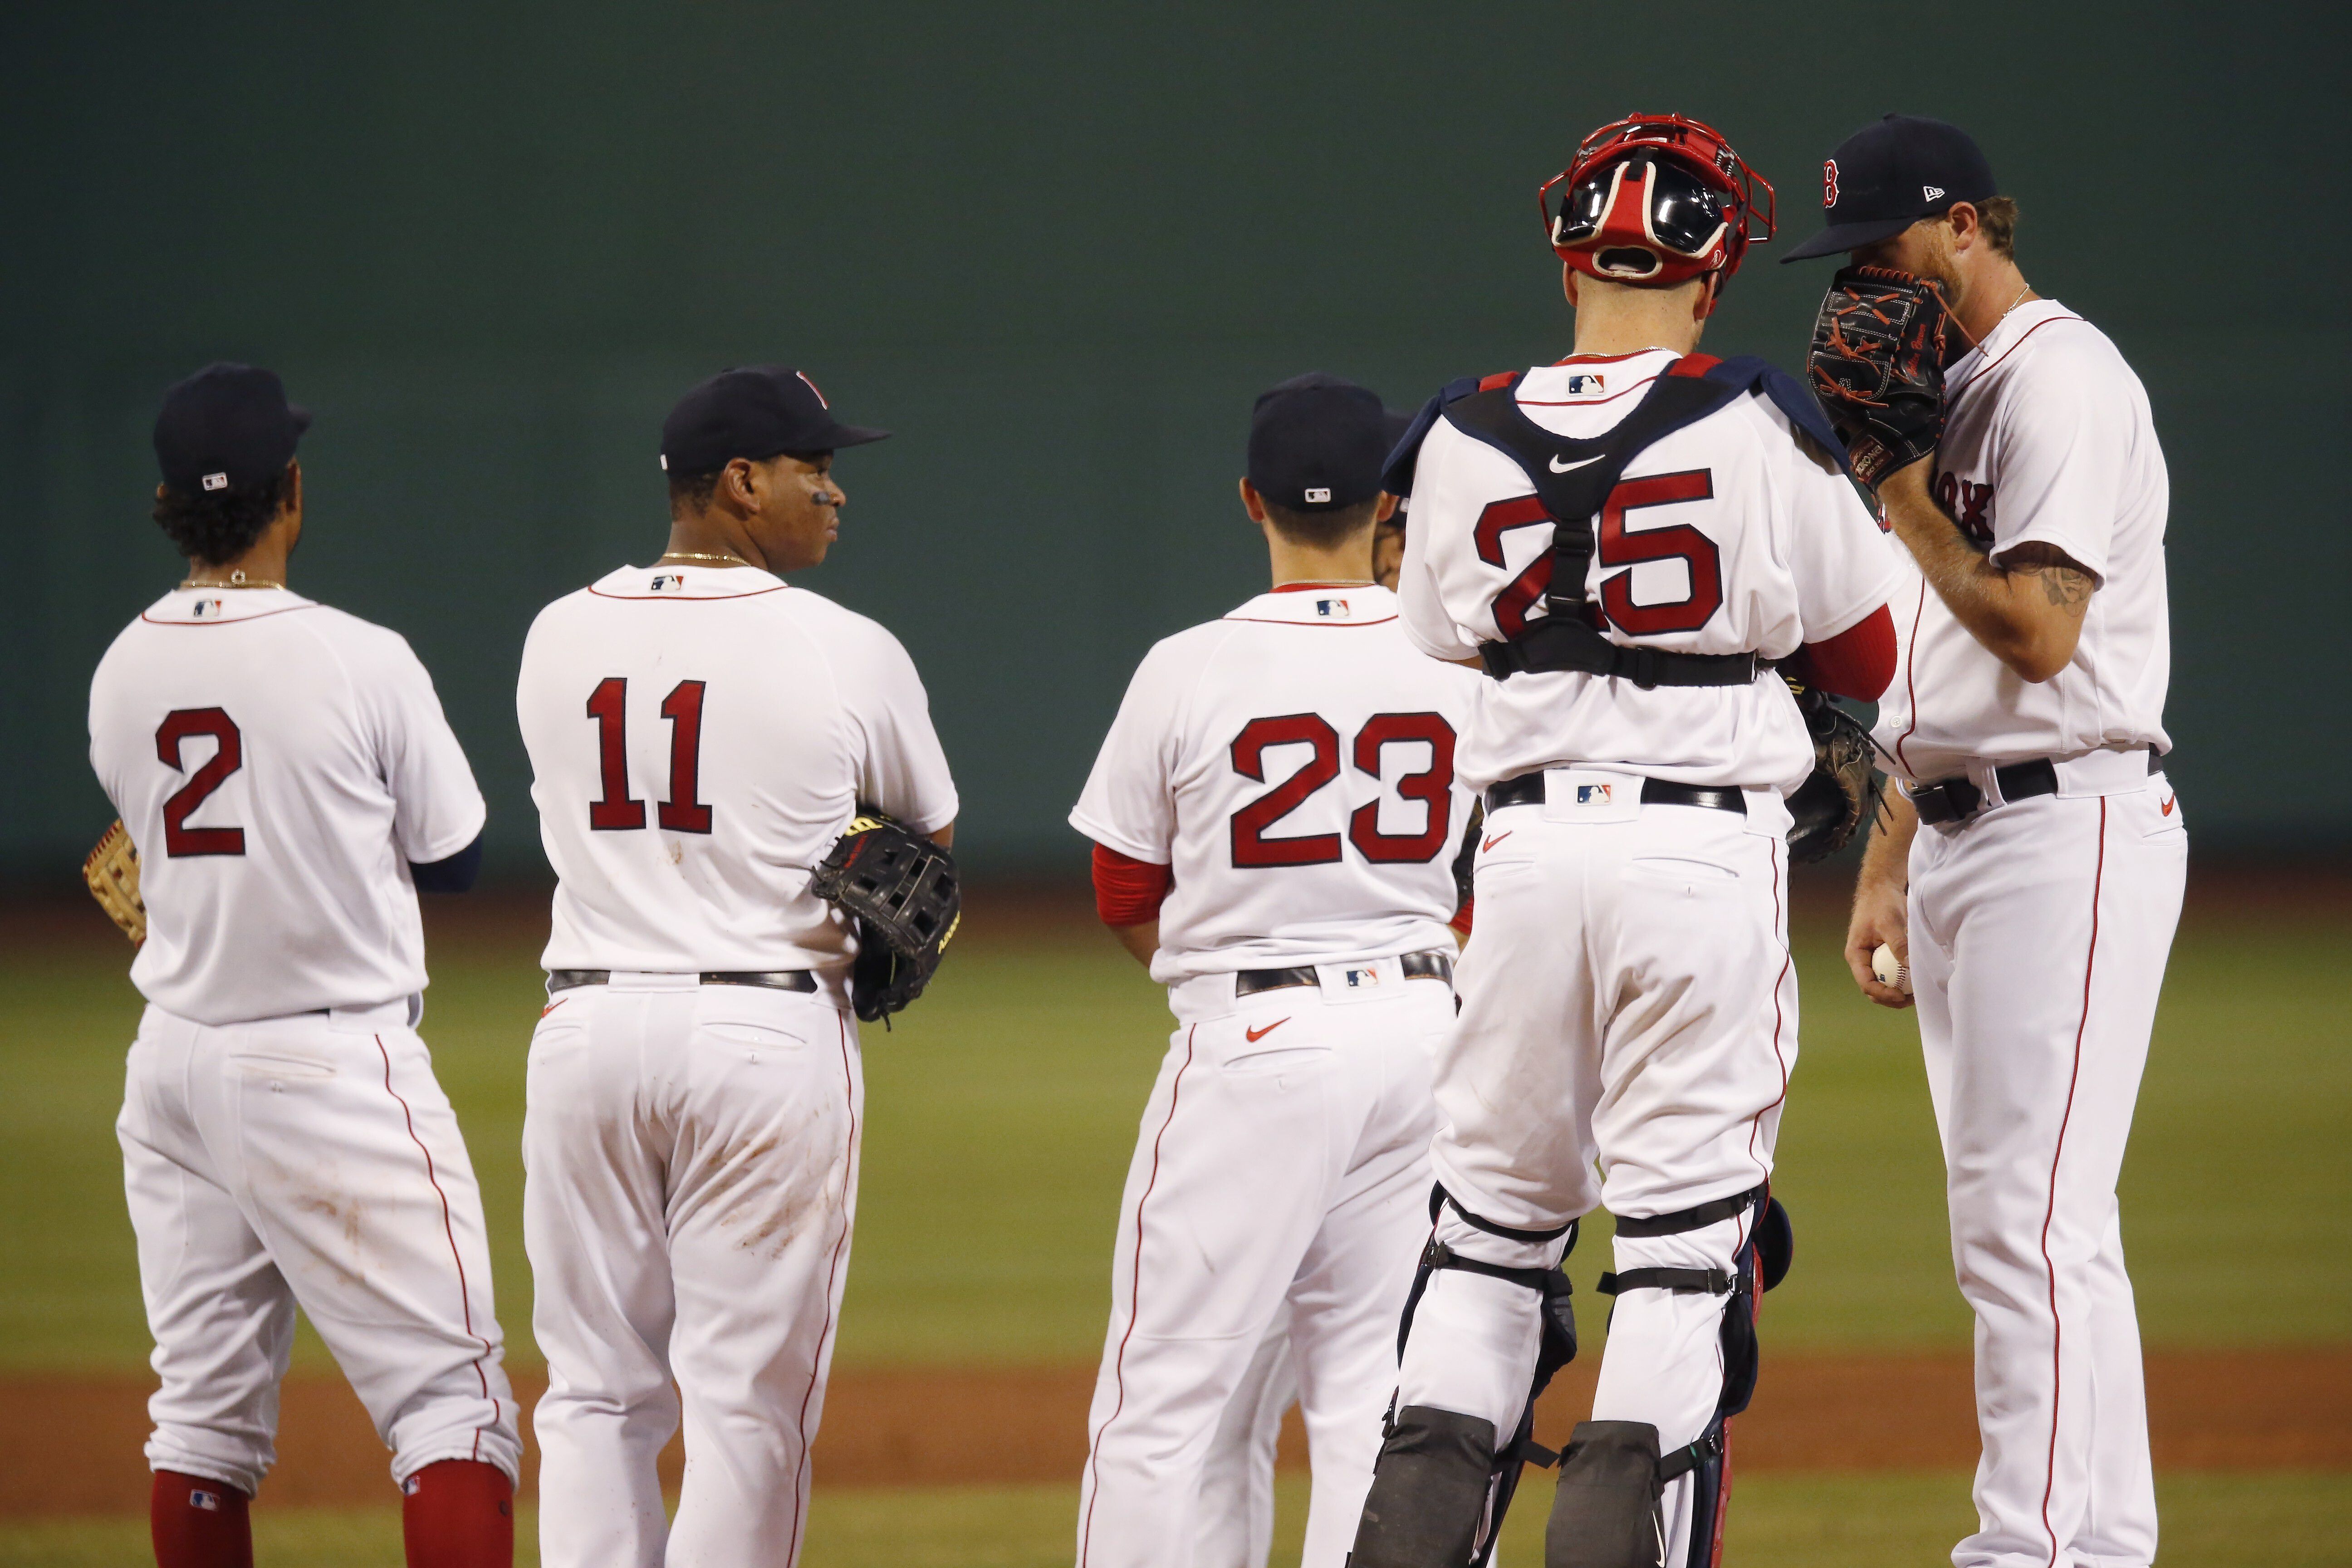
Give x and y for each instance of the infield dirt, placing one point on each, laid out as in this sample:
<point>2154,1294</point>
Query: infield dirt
<point>71,1445</point>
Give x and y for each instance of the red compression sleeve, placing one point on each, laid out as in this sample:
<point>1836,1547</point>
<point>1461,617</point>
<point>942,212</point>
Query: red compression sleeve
<point>195,1522</point>
<point>458,1513</point>
<point>1859,662</point>
<point>1462,916</point>
<point>1128,891</point>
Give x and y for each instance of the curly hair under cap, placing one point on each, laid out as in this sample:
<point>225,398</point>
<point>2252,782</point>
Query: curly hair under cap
<point>215,526</point>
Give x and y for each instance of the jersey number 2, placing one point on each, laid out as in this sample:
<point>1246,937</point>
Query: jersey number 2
<point>682,812</point>
<point>1431,786</point>
<point>179,840</point>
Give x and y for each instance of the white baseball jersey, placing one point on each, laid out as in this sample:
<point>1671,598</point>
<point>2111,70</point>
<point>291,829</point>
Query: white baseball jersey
<point>279,764</point>
<point>698,739</point>
<point>1296,764</point>
<point>1725,537</point>
<point>2049,439</point>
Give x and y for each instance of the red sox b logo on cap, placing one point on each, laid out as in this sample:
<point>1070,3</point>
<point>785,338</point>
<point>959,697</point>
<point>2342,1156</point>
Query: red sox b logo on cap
<point>1828,181</point>
<point>820,403</point>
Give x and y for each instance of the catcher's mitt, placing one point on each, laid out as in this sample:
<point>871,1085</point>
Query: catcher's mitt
<point>1877,367</point>
<point>1842,791</point>
<point>112,873</point>
<point>902,890</point>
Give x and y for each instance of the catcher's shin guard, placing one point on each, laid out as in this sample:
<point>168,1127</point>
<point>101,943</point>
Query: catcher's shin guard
<point>1427,1506</point>
<point>1761,1263</point>
<point>1443,1482</point>
<point>1605,1511</point>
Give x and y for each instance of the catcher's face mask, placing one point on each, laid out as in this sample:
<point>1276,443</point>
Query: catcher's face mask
<point>1655,199</point>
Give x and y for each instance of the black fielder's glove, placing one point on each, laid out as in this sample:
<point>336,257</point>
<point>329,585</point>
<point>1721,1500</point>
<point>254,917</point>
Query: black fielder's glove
<point>1842,790</point>
<point>1877,367</point>
<point>903,892</point>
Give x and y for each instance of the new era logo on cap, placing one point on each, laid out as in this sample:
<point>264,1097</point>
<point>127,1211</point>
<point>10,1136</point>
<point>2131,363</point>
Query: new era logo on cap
<point>1931,192</point>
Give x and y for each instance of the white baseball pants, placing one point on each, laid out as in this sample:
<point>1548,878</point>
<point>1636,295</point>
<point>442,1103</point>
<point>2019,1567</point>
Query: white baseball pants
<point>1282,1159</point>
<point>308,1162</point>
<point>1236,1508</point>
<point>2039,934</point>
<point>1627,999</point>
<point>690,1154</point>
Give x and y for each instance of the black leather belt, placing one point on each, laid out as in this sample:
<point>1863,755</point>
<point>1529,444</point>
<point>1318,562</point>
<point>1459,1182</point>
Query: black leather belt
<point>774,979</point>
<point>1957,798</point>
<point>1528,789</point>
<point>1416,966</point>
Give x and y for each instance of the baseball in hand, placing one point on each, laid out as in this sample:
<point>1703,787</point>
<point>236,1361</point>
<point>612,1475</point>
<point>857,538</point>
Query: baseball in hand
<point>1890,970</point>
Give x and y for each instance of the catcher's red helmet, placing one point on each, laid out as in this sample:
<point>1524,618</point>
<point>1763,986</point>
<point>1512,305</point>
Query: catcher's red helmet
<point>1656,199</point>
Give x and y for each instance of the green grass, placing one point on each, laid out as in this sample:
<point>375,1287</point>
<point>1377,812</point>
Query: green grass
<point>1777,1521</point>
<point>1002,1110</point>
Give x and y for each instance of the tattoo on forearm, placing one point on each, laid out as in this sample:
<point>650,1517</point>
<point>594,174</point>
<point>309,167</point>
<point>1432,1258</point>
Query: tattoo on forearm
<point>2063,586</point>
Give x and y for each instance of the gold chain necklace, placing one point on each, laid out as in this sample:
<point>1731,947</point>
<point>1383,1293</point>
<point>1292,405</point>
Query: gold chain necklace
<point>236,579</point>
<point>699,556</point>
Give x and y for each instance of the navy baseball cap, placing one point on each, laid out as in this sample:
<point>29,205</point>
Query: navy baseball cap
<point>1888,176</point>
<point>228,426</point>
<point>1316,442</point>
<point>755,412</point>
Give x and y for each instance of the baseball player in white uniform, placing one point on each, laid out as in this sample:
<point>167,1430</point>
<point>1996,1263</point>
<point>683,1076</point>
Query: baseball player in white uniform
<point>1275,814</point>
<point>701,733</point>
<point>289,783</point>
<point>2036,910</point>
<point>1619,541</point>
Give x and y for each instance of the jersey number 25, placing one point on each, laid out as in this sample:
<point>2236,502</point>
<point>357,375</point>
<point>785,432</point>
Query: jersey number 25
<point>1432,786</point>
<point>1616,545</point>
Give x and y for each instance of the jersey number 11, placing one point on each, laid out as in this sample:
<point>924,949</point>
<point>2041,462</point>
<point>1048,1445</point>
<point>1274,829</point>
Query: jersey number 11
<point>618,810</point>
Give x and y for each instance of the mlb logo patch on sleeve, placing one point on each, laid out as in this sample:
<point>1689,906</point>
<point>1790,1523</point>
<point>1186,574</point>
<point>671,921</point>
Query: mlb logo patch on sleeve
<point>1582,385</point>
<point>1334,609</point>
<point>669,583</point>
<point>206,609</point>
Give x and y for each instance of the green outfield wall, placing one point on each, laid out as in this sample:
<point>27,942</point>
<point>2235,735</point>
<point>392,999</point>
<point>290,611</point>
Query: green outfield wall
<point>1058,248</point>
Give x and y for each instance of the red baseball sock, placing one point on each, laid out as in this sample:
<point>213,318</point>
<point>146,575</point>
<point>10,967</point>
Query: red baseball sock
<point>198,1522</point>
<point>458,1514</point>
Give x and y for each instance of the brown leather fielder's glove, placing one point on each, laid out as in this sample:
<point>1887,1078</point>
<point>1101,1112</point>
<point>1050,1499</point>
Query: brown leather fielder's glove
<point>1842,790</point>
<point>903,891</point>
<point>112,873</point>
<point>1877,367</point>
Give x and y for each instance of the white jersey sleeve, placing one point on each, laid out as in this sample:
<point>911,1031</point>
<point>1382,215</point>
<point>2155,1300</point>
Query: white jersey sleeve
<point>902,769</point>
<point>1435,585</point>
<point>1130,803</point>
<point>2062,443</point>
<point>1843,564</point>
<point>437,807</point>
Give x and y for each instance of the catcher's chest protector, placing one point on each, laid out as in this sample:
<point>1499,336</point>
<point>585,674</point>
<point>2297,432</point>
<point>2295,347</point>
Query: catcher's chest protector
<point>1572,477</point>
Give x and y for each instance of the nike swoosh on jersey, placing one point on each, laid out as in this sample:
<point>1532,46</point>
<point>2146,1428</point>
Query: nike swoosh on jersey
<point>2170,802</point>
<point>1559,468</point>
<point>1257,1035</point>
<point>1490,843</point>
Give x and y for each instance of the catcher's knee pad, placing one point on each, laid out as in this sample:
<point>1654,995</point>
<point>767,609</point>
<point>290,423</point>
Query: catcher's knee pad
<point>1605,1513</point>
<point>1437,1499</point>
<point>1760,1263</point>
<point>1428,1503</point>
